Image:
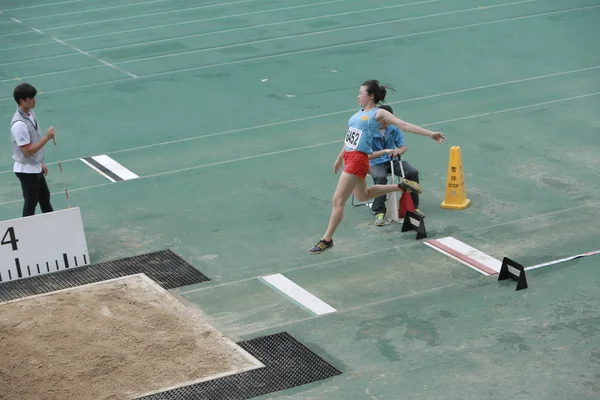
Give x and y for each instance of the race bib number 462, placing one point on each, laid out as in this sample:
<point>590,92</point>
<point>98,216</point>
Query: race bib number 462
<point>352,138</point>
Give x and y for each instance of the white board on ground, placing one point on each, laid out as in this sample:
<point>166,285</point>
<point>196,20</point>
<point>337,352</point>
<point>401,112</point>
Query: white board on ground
<point>298,294</point>
<point>41,244</point>
<point>466,255</point>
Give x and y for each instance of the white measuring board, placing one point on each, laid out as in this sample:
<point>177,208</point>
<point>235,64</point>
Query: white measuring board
<point>41,244</point>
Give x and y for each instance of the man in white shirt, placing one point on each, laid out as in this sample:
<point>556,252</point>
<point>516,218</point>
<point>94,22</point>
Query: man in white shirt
<point>28,152</point>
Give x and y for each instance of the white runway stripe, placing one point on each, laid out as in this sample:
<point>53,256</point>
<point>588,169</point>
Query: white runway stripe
<point>298,294</point>
<point>109,168</point>
<point>92,166</point>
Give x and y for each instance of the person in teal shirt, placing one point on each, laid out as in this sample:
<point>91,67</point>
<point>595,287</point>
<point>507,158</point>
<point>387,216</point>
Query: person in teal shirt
<point>389,142</point>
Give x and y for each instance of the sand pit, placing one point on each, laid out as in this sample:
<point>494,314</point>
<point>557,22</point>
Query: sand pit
<point>118,339</point>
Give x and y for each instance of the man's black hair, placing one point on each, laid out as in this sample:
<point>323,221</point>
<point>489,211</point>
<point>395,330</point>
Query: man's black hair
<point>24,91</point>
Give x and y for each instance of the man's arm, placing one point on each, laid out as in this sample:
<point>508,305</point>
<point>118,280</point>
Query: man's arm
<point>399,142</point>
<point>379,153</point>
<point>399,151</point>
<point>21,136</point>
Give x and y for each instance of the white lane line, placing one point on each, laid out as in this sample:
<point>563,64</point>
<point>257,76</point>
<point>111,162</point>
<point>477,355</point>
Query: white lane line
<point>554,262</point>
<point>181,10</point>
<point>86,11</point>
<point>207,33</point>
<point>43,5</point>
<point>325,31</point>
<point>309,50</point>
<point>319,145</point>
<point>427,97</point>
<point>397,247</point>
<point>74,48</point>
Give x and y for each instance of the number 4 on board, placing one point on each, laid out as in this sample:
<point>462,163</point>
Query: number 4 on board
<point>12,240</point>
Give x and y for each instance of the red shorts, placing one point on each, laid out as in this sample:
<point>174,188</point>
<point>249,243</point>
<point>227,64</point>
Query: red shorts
<point>356,163</point>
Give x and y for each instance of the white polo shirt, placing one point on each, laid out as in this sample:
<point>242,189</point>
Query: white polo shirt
<point>20,134</point>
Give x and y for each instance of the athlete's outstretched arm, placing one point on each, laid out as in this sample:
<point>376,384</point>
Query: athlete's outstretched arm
<point>390,119</point>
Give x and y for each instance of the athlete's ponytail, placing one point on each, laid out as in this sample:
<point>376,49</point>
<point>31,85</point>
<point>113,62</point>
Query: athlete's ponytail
<point>378,91</point>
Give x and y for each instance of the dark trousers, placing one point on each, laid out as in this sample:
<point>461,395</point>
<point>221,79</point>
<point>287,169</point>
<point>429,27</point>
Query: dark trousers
<point>35,190</point>
<point>379,174</point>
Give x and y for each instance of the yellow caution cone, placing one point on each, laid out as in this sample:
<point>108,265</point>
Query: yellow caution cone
<point>456,193</point>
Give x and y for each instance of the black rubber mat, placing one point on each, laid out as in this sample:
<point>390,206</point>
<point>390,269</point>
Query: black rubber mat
<point>288,363</point>
<point>164,267</point>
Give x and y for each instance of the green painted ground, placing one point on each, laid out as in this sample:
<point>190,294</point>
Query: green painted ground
<point>236,174</point>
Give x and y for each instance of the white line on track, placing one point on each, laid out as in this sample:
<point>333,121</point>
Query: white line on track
<point>75,48</point>
<point>43,5</point>
<point>325,31</point>
<point>204,33</point>
<point>353,27</point>
<point>312,49</point>
<point>86,11</point>
<point>320,144</point>
<point>337,46</point>
<point>397,247</point>
<point>160,14</point>
<point>350,309</point>
<point>427,97</point>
